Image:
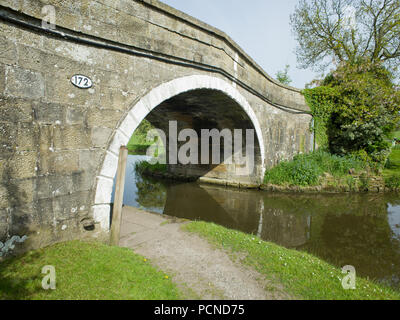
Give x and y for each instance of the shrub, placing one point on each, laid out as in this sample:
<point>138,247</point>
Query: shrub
<point>304,173</point>
<point>306,169</point>
<point>144,167</point>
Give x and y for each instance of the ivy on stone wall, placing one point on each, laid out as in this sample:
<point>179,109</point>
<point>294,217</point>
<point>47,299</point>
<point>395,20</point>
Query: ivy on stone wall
<point>321,101</point>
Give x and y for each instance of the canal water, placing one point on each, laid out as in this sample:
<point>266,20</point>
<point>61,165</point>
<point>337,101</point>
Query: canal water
<point>362,230</point>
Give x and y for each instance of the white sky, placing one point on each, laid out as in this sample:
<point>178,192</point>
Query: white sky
<point>260,27</point>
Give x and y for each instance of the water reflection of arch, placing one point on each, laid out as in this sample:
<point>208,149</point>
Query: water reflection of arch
<point>239,209</point>
<point>230,208</point>
<point>287,229</point>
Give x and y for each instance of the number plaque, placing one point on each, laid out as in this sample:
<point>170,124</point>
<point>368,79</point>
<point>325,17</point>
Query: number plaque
<point>81,81</point>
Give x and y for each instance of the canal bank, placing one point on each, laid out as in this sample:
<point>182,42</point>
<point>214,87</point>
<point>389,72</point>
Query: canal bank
<point>180,260</point>
<point>207,261</point>
<point>359,229</point>
<point>200,270</point>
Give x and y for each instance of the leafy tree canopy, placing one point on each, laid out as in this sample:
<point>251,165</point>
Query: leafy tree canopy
<point>344,30</point>
<point>366,110</point>
<point>283,76</point>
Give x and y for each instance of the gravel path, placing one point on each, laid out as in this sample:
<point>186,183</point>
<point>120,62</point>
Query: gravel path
<point>199,270</point>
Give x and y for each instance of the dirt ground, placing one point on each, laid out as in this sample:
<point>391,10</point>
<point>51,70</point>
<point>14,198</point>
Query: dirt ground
<point>201,271</point>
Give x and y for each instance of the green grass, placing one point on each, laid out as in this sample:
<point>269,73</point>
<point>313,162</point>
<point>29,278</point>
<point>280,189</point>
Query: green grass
<point>391,173</point>
<point>87,271</point>
<point>302,275</point>
<point>306,169</point>
<point>393,165</point>
<point>144,167</point>
<point>138,144</point>
<point>396,135</point>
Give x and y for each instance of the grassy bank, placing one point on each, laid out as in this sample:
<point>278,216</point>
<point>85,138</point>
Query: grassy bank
<point>88,271</point>
<point>332,172</point>
<point>138,144</point>
<point>391,172</point>
<point>302,275</point>
<point>308,169</point>
<point>143,167</point>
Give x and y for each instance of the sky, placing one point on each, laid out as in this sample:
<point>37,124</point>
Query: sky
<point>260,27</point>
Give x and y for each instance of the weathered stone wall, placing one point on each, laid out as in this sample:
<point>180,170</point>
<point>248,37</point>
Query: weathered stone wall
<point>55,137</point>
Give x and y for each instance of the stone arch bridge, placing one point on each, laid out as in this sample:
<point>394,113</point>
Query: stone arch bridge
<point>59,143</point>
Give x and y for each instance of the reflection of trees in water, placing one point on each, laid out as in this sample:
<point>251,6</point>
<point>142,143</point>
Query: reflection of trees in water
<point>354,230</point>
<point>350,229</point>
<point>366,242</point>
<point>150,192</point>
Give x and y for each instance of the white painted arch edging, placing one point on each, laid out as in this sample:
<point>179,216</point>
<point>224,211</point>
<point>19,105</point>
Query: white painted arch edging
<point>105,181</point>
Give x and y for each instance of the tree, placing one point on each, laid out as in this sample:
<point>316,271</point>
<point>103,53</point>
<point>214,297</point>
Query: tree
<point>344,30</point>
<point>283,76</point>
<point>366,110</point>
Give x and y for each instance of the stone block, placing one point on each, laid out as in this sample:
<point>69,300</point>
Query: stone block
<point>45,138</point>
<point>8,134</point>
<point>2,79</point>
<point>48,187</point>
<point>27,137</point>
<point>23,165</point>
<point>110,165</point>
<point>70,137</point>
<point>25,219</point>
<point>68,207</point>
<point>101,214</point>
<point>24,83</point>
<point>3,225</point>
<point>83,180</point>
<point>65,161</point>
<point>4,203</point>
<point>75,115</point>
<point>15,110</point>
<point>32,58</point>
<point>116,98</point>
<point>103,190</point>
<point>8,51</point>
<point>100,136</point>
<point>24,191</point>
<point>89,160</point>
<point>45,149</point>
<point>118,140</point>
<point>48,113</point>
<point>129,125</point>
<point>60,162</point>
<point>103,118</point>
<point>12,4</point>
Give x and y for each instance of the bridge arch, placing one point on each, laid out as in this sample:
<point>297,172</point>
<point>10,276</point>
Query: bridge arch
<point>138,112</point>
